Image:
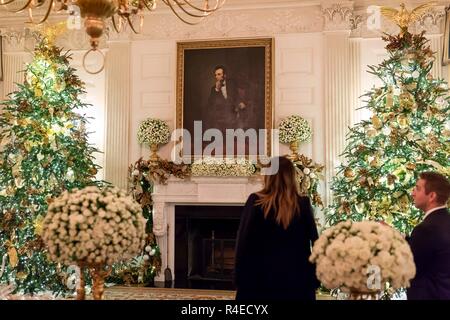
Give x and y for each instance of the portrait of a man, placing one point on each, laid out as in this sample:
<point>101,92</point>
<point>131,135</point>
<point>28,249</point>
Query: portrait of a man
<point>224,86</point>
<point>231,103</point>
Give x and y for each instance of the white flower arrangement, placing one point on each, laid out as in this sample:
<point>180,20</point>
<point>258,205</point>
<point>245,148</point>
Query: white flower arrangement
<point>218,167</point>
<point>347,254</point>
<point>294,128</point>
<point>94,226</point>
<point>153,131</point>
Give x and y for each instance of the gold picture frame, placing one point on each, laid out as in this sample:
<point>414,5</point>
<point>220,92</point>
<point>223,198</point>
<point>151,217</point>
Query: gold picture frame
<point>446,51</point>
<point>248,63</point>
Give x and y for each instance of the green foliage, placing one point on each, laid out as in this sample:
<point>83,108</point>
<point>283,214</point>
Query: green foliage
<point>408,133</point>
<point>43,151</point>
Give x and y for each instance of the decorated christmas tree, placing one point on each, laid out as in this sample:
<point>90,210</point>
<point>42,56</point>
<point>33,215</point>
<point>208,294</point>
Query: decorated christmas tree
<point>44,150</point>
<point>408,133</point>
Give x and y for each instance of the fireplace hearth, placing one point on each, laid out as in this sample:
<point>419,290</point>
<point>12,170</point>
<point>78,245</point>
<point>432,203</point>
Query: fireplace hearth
<point>205,238</point>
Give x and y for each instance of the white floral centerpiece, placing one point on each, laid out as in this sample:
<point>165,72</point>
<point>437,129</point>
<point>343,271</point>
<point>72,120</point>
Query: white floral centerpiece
<point>294,128</point>
<point>94,226</point>
<point>153,131</point>
<point>222,167</point>
<point>363,257</point>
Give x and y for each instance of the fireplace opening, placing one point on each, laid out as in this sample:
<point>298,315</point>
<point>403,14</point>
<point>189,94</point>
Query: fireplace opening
<point>205,238</point>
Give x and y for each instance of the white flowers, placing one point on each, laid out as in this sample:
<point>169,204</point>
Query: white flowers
<point>347,253</point>
<point>294,128</point>
<point>415,74</point>
<point>217,167</point>
<point>153,131</point>
<point>94,225</point>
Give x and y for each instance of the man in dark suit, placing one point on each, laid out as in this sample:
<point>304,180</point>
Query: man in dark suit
<point>430,239</point>
<point>224,103</point>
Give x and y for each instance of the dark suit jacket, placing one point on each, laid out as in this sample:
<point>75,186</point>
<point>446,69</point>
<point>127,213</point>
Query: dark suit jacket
<point>220,112</point>
<point>430,245</point>
<point>272,263</point>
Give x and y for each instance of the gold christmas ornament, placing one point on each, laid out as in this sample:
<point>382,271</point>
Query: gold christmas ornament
<point>410,166</point>
<point>402,121</point>
<point>374,163</point>
<point>389,101</point>
<point>38,225</point>
<point>377,123</point>
<point>446,133</point>
<point>13,257</point>
<point>348,173</point>
<point>371,132</point>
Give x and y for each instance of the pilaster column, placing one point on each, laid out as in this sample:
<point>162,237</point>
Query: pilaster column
<point>13,63</point>
<point>118,108</point>
<point>342,83</point>
<point>431,23</point>
<point>15,45</point>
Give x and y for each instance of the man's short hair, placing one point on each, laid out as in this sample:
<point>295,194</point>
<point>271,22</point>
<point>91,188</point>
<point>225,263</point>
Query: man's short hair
<point>220,67</point>
<point>435,182</point>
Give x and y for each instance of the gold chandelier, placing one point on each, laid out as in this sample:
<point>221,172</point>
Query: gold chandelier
<point>122,12</point>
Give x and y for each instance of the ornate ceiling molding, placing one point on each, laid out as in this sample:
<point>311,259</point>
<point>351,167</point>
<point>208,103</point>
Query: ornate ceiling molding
<point>339,16</point>
<point>230,24</point>
<point>257,18</point>
<point>432,22</point>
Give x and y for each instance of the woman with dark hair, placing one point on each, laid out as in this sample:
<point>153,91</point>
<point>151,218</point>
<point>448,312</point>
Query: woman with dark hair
<point>274,241</point>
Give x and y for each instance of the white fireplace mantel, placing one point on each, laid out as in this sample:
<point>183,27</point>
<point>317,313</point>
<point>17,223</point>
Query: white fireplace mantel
<point>193,191</point>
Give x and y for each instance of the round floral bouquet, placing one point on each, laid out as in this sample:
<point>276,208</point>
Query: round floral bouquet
<point>218,167</point>
<point>294,128</point>
<point>94,226</point>
<point>362,257</point>
<point>153,131</point>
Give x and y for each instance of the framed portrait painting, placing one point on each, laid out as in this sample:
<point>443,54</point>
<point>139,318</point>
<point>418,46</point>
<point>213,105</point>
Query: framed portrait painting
<point>446,51</point>
<point>224,97</point>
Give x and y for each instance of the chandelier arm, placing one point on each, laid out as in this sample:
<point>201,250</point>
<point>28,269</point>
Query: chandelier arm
<point>63,6</point>
<point>132,26</point>
<point>117,28</point>
<point>7,2</point>
<point>218,5</point>
<point>195,15</point>
<point>183,19</point>
<point>24,7</point>
<point>49,9</point>
<point>40,4</point>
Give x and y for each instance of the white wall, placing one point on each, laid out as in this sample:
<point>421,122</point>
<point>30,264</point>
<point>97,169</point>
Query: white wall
<point>372,54</point>
<point>299,86</point>
<point>95,95</point>
<point>153,80</point>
